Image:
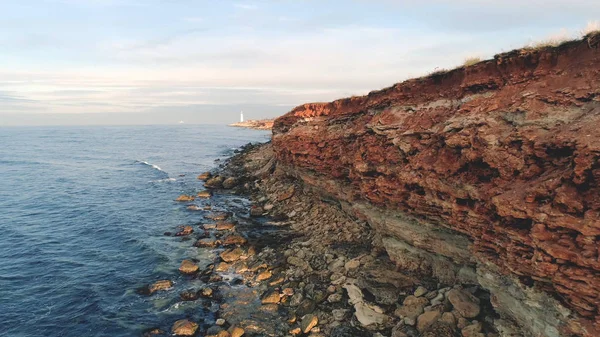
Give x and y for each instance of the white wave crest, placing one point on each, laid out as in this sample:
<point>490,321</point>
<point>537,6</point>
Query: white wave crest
<point>167,180</point>
<point>151,165</point>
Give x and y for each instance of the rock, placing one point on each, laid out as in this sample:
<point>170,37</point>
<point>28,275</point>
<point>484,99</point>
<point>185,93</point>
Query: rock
<point>225,226</point>
<point>306,307</point>
<point>222,267</point>
<point>309,322</point>
<point>265,275</point>
<point>207,292</point>
<point>473,330</point>
<point>160,285</point>
<point>410,321</point>
<point>256,211</point>
<point>185,198</point>
<point>217,216</point>
<point>234,240</point>
<point>296,299</point>
<point>295,331</point>
<point>449,319</point>
<point>204,194</point>
<point>288,291</point>
<point>466,304</point>
<point>272,298</point>
<point>295,261</point>
<point>268,207</point>
<point>152,332</point>
<point>207,242</point>
<point>232,255</point>
<point>230,183</point>
<point>236,332</point>
<point>367,315</point>
<point>185,230</point>
<point>223,334</point>
<point>184,328</point>
<point>412,307</point>
<point>348,331</point>
<point>286,194</point>
<point>352,264</point>
<point>188,267</point>
<point>193,208</point>
<point>427,319</point>
<point>220,322</point>
<point>189,295</point>
<point>205,176</point>
<point>334,298</point>
<point>439,329</point>
<point>216,182</point>
<point>339,314</point>
<point>420,291</point>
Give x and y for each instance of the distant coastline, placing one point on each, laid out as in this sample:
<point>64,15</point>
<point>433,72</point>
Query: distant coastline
<point>262,124</point>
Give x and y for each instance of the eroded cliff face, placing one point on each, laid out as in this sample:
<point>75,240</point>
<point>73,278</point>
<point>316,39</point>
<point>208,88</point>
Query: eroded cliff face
<point>487,174</point>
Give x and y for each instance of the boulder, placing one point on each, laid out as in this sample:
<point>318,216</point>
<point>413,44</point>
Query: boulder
<point>204,176</point>
<point>265,275</point>
<point>236,332</point>
<point>184,328</point>
<point>232,255</point>
<point>160,285</point>
<point>213,183</point>
<point>204,194</point>
<point>185,198</point>
<point>466,304</point>
<point>185,230</point>
<point>225,226</point>
<point>188,267</point>
<point>427,319</point>
<point>309,322</point>
<point>207,242</point>
<point>230,183</point>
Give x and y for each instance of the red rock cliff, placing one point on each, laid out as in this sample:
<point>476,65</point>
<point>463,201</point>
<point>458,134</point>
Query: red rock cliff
<point>505,153</point>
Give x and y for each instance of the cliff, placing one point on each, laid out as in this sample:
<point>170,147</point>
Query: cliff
<point>485,175</point>
<point>262,124</point>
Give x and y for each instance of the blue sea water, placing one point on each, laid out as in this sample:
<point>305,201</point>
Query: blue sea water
<point>82,216</point>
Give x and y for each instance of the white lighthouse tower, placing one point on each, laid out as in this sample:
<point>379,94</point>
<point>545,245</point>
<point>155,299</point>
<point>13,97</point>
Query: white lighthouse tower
<point>242,117</point>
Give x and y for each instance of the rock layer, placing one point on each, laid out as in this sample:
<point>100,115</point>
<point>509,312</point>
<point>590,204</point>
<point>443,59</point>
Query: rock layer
<point>491,170</point>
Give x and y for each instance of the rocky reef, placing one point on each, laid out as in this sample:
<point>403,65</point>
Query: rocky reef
<point>484,175</point>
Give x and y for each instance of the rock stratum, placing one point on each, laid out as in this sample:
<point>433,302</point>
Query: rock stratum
<point>487,174</point>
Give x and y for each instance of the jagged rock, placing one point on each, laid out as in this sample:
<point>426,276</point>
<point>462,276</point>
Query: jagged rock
<point>207,242</point>
<point>204,194</point>
<point>309,322</point>
<point>427,319</point>
<point>265,275</point>
<point>272,298</point>
<point>234,240</point>
<point>439,329</point>
<point>466,304</point>
<point>420,291</point>
<point>225,226</point>
<point>185,198</point>
<point>232,255</point>
<point>230,183</point>
<point>473,330</point>
<point>184,328</point>
<point>160,285</point>
<point>205,176</point>
<point>412,307</point>
<point>185,230</point>
<point>188,267</point>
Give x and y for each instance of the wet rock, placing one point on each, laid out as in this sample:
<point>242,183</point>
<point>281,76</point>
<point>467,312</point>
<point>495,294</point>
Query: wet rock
<point>220,322</point>
<point>420,291</point>
<point>286,194</point>
<point>296,299</point>
<point>207,242</point>
<point>232,255</point>
<point>306,307</point>
<point>185,198</point>
<point>265,275</point>
<point>234,240</point>
<point>204,194</point>
<point>297,262</point>
<point>184,328</point>
<point>466,304</point>
<point>309,322</point>
<point>207,292</point>
<point>167,233</point>
<point>160,285</point>
<point>225,226</point>
<point>223,266</point>
<point>189,295</point>
<point>272,298</point>
<point>216,182</point>
<point>268,207</point>
<point>193,208</point>
<point>152,332</point>
<point>427,319</point>
<point>230,183</point>
<point>188,267</point>
<point>295,331</point>
<point>340,314</point>
<point>185,230</point>
<point>236,332</point>
<point>204,176</point>
<point>256,211</point>
<point>217,216</point>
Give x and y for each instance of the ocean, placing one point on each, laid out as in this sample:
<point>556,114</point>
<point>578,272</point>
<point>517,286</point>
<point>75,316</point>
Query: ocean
<point>82,216</point>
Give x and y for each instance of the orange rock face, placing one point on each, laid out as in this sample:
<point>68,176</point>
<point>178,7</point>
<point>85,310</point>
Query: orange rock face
<point>506,152</point>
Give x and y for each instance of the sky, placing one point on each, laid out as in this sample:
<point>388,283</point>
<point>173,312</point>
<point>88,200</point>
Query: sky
<point>72,62</point>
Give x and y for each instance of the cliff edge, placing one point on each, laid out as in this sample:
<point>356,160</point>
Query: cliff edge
<point>487,174</point>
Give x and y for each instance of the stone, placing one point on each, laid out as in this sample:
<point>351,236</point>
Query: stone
<point>473,330</point>
<point>236,332</point>
<point>220,322</point>
<point>185,198</point>
<point>204,194</point>
<point>217,216</point>
<point>334,298</point>
<point>207,292</point>
<point>188,267</point>
<point>348,331</point>
<point>426,319</point>
<point>339,314</point>
<point>309,322</point>
<point>420,291</point>
<point>194,208</point>
<point>204,176</point>
<point>189,295</point>
<point>352,264</point>
<point>229,183</point>
<point>160,285</point>
<point>184,328</point>
<point>232,255</point>
<point>272,298</point>
<point>225,226</point>
<point>268,207</point>
<point>223,267</point>
<point>439,329</point>
<point>256,211</point>
<point>295,331</point>
<point>412,307</point>
<point>185,230</point>
<point>216,182</point>
<point>449,319</point>
<point>264,275</point>
<point>234,240</point>
<point>466,304</point>
<point>368,315</point>
<point>207,242</point>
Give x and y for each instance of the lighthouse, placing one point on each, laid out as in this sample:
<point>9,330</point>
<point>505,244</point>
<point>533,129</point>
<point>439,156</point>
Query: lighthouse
<point>242,117</point>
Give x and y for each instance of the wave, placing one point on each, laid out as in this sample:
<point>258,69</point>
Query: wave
<point>156,167</point>
<point>167,180</point>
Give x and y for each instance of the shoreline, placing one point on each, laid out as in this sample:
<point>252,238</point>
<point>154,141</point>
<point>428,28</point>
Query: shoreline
<point>262,124</point>
<point>294,264</point>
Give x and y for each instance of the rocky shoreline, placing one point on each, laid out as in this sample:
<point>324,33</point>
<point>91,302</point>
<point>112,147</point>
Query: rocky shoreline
<point>260,124</point>
<point>294,264</point>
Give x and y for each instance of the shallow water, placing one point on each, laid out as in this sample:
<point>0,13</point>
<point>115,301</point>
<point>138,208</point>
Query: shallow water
<point>82,213</point>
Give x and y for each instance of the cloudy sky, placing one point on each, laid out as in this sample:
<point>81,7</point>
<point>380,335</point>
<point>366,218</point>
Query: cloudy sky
<point>162,61</point>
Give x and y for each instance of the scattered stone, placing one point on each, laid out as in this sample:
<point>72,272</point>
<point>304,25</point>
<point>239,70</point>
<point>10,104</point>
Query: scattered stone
<point>217,216</point>
<point>288,291</point>
<point>420,291</point>
<point>449,319</point>
<point>473,330</point>
<point>295,331</point>
<point>207,292</point>
<point>368,315</point>
<point>184,328</point>
<point>236,332</point>
<point>466,304</point>
<point>410,321</point>
<point>188,267</point>
<point>204,194</point>
<point>427,319</point>
<point>339,314</point>
<point>185,230</point>
<point>185,198</point>
<point>439,329</point>
<point>207,242</point>
<point>223,267</point>
<point>268,207</point>
<point>205,176</point>
<point>194,208</point>
<point>216,182</point>
<point>232,255</point>
<point>234,240</point>
<point>412,307</point>
<point>309,322</point>
<point>272,298</point>
<point>352,264</point>
<point>225,226</point>
<point>256,211</point>
<point>220,322</point>
<point>160,285</point>
<point>287,194</point>
<point>229,183</point>
<point>152,332</point>
<point>265,275</point>
<point>334,298</point>
<point>189,295</point>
